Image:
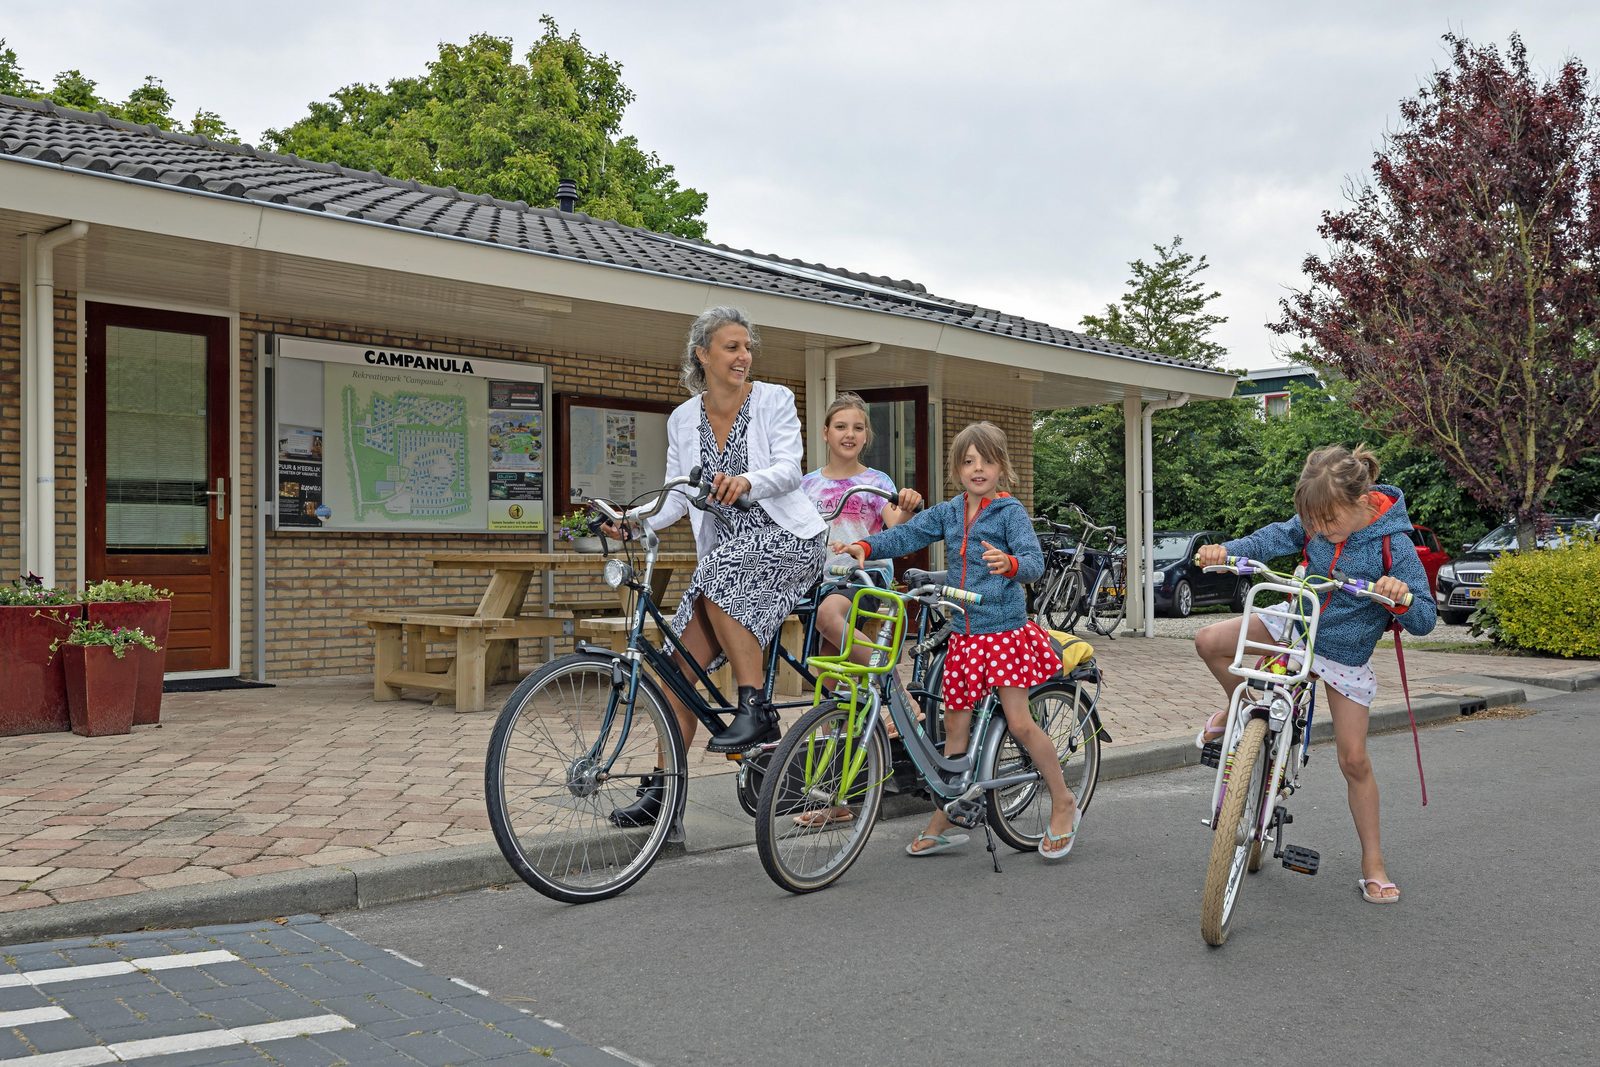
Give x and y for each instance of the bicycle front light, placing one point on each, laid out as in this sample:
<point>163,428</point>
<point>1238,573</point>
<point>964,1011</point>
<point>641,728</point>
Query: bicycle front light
<point>617,573</point>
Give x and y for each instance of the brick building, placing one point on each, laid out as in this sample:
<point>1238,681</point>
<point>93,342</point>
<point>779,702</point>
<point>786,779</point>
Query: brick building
<point>150,283</point>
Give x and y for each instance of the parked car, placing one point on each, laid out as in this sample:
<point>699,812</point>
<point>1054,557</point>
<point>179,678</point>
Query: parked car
<point>1460,584</point>
<point>1181,586</point>
<point>1432,555</point>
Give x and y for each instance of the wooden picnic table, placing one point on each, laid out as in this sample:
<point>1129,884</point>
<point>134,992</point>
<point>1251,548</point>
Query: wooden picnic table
<point>486,634</point>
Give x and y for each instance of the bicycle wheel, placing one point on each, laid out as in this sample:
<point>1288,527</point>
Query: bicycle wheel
<point>1020,814</point>
<point>1065,604</point>
<point>549,803</point>
<point>819,800</point>
<point>748,786</point>
<point>1107,603</point>
<point>1231,832</point>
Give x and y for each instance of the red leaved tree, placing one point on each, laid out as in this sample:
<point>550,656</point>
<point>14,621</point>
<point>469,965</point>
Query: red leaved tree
<point>1461,288</point>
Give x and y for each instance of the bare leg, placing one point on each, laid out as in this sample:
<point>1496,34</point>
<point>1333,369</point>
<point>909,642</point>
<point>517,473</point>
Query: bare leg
<point>1215,645</point>
<point>1034,741</point>
<point>702,644</point>
<point>1350,738</point>
<point>740,645</point>
<point>831,618</point>
<point>957,725</point>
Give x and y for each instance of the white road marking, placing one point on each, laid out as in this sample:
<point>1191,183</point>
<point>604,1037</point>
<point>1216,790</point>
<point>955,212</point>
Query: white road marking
<point>32,1015</point>
<point>124,1051</point>
<point>52,975</point>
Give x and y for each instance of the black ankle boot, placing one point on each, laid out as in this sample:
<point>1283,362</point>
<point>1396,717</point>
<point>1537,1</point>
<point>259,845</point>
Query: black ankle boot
<point>647,809</point>
<point>754,721</point>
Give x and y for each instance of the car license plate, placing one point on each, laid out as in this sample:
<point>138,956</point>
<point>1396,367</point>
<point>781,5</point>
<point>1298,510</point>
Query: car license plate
<point>1474,594</point>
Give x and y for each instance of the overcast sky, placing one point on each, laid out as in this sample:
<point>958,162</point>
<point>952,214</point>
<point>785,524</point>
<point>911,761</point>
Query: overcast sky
<point>1015,155</point>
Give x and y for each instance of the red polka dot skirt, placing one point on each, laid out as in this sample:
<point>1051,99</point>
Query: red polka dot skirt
<point>977,663</point>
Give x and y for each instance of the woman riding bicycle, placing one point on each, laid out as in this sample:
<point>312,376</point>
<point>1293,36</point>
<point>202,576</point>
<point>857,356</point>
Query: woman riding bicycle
<point>1343,520</point>
<point>755,565</point>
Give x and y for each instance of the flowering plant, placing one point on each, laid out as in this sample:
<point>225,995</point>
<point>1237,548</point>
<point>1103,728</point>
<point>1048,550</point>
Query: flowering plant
<point>573,525</point>
<point>111,591</point>
<point>31,592</point>
<point>118,638</point>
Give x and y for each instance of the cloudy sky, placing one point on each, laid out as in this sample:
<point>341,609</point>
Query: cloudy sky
<point>1012,154</point>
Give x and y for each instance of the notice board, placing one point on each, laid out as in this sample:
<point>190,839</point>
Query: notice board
<point>614,447</point>
<point>383,439</point>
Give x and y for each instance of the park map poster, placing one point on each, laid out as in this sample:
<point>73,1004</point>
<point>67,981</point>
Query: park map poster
<point>409,441</point>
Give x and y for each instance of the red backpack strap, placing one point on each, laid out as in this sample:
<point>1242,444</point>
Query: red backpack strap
<point>1400,657</point>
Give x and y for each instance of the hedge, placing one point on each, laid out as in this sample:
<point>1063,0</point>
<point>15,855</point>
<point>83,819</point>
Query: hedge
<point>1546,601</point>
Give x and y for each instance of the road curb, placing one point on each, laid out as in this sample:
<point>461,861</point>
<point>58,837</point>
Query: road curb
<point>396,879</point>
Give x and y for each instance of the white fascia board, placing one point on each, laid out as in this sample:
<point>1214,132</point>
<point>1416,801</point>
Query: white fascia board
<point>109,200</point>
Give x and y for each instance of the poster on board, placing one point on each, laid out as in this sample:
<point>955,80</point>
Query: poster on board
<point>616,452</point>
<point>407,440</point>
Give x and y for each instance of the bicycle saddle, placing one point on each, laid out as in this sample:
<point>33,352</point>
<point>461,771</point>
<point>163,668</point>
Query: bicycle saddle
<point>914,577</point>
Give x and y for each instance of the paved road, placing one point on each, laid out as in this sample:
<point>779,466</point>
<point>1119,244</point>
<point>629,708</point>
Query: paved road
<point>1489,959</point>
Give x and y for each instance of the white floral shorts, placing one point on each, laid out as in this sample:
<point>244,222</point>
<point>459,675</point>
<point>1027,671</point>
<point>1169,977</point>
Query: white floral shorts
<point>1357,683</point>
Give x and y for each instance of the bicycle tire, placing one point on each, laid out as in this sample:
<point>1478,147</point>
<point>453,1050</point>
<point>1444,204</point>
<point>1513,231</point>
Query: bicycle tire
<point>805,858</point>
<point>1106,606</point>
<point>1066,604</point>
<point>1230,833</point>
<point>552,821</point>
<point>748,786</point>
<point>1019,815</point>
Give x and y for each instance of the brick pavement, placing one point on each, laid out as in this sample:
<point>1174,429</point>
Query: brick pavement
<point>313,773</point>
<point>299,992</point>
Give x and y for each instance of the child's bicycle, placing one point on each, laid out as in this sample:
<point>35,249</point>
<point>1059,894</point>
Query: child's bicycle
<point>1267,738</point>
<point>822,790</point>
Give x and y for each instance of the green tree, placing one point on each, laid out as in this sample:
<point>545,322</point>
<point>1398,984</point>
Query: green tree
<point>150,104</point>
<point>482,121</point>
<point>1199,450</point>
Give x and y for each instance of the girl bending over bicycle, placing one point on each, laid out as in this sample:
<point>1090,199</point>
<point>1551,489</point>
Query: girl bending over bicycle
<point>992,549</point>
<point>1343,521</point>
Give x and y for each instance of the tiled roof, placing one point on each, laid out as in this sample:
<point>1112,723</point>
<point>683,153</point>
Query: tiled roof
<point>95,143</point>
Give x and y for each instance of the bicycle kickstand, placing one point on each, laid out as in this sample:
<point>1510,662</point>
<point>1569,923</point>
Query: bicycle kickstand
<point>994,853</point>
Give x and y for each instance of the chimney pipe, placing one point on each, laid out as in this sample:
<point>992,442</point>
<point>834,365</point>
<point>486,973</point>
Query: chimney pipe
<point>567,195</point>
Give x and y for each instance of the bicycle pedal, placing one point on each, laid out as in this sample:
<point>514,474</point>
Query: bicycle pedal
<point>733,757</point>
<point>1211,754</point>
<point>1301,859</point>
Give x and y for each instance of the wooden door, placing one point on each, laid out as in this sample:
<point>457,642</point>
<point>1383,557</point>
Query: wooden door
<point>158,491</point>
<point>900,446</point>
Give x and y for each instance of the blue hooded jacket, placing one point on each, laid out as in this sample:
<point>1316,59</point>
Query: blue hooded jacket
<point>1351,625</point>
<point>1003,522</point>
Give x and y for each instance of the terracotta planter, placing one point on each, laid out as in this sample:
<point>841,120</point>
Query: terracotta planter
<point>100,690</point>
<point>154,617</point>
<point>33,694</point>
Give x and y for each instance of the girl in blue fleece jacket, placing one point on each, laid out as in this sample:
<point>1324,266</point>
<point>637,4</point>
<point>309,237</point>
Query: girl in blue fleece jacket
<point>991,548</point>
<point>1343,518</point>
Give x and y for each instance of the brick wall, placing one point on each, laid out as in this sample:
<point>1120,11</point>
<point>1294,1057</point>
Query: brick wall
<point>1018,426</point>
<point>65,330</point>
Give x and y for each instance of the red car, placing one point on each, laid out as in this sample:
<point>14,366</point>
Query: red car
<point>1433,557</point>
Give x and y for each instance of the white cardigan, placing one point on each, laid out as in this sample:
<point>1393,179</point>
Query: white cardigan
<point>774,447</point>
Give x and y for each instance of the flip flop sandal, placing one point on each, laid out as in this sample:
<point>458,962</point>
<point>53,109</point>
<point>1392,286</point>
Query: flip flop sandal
<point>1213,729</point>
<point>820,818</point>
<point>1052,847</point>
<point>941,843</point>
<point>1362,883</point>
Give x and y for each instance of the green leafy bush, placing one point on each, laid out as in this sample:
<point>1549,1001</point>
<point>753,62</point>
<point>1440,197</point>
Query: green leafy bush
<point>117,638</point>
<point>1546,601</point>
<point>26,593</point>
<point>115,592</point>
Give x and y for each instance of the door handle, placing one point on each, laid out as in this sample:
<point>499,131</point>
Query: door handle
<point>221,493</point>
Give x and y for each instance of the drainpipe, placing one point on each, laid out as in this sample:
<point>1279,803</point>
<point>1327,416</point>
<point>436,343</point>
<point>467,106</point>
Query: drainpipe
<point>822,385</point>
<point>1149,491</point>
<point>42,493</point>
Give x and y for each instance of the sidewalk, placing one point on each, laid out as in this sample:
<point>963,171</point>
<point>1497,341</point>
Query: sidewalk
<point>311,797</point>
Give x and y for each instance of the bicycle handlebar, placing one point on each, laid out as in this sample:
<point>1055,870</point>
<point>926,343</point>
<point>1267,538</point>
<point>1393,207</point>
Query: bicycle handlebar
<point>870,490</point>
<point>1243,565</point>
<point>944,595</point>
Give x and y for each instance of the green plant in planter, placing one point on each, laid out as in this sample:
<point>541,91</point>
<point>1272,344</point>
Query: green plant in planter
<point>118,638</point>
<point>28,594</point>
<point>111,591</point>
<point>572,526</point>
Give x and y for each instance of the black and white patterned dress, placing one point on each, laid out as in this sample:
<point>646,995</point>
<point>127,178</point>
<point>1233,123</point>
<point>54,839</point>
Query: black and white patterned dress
<point>759,571</point>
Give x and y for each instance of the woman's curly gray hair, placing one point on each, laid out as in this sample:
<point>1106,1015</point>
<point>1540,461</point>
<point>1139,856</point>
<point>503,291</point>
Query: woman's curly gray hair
<point>693,372</point>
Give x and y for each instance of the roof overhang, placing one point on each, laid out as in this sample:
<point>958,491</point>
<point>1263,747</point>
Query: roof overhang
<point>162,243</point>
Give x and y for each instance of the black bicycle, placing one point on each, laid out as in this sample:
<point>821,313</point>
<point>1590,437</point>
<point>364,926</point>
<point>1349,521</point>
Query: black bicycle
<point>1072,565</point>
